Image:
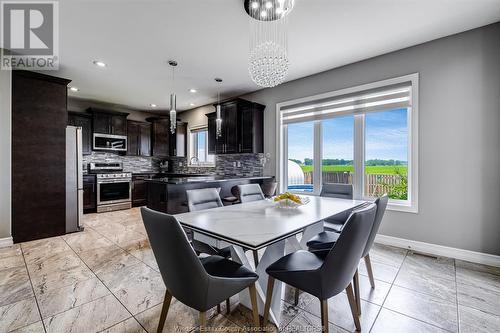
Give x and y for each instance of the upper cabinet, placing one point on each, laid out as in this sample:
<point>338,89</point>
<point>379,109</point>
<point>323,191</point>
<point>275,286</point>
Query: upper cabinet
<point>113,123</point>
<point>138,138</point>
<point>164,142</point>
<point>85,122</point>
<point>242,128</point>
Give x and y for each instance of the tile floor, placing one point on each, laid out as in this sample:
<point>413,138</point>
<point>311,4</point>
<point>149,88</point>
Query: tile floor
<point>105,279</point>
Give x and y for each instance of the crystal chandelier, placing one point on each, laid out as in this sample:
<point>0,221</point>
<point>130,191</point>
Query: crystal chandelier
<point>173,99</point>
<point>268,60</point>
<point>218,119</point>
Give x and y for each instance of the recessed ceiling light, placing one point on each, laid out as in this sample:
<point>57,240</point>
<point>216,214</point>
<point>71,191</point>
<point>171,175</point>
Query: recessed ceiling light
<point>255,5</point>
<point>192,104</point>
<point>99,63</point>
<point>192,90</point>
<point>75,89</point>
<point>153,105</point>
<point>269,5</point>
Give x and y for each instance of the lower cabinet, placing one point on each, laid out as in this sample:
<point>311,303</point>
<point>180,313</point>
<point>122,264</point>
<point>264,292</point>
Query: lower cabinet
<point>89,194</point>
<point>139,190</point>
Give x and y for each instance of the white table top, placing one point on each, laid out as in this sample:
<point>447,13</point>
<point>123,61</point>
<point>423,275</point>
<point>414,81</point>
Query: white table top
<point>257,224</point>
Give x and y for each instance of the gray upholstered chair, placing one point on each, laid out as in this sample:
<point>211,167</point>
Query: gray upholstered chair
<point>204,198</point>
<point>341,191</point>
<point>324,241</point>
<point>200,199</point>
<point>250,192</point>
<point>198,283</point>
<point>328,276</point>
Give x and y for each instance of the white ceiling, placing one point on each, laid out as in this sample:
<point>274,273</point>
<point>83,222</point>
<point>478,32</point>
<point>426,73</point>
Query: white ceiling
<point>209,38</point>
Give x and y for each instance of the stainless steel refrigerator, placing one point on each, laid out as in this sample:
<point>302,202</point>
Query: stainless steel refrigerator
<point>74,179</point>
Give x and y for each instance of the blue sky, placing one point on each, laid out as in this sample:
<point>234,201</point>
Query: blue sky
<point>386,137</point>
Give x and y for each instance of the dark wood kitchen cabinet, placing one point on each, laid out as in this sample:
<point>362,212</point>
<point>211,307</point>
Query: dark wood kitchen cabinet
<point>85,122</point>
<point>242,128</point>
<point>138,138</point>
<point>165,143</point>
<point>89,194</point>
<point>140,190</point>
<point>160,136</point>
<point>109,122</point>
<point>39,120</point>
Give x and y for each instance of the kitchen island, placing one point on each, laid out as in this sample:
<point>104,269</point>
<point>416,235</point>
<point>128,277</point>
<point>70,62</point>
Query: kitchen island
<point>168,195</point>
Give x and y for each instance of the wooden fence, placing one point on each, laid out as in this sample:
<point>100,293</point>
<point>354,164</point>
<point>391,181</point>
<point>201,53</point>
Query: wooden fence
<point>375,184</point>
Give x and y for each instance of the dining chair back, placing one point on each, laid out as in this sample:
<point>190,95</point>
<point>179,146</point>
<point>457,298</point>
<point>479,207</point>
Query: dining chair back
<point>205,198</point>
<point>198,283</point>
<point>337,190</point>
<point>381,204</point>
<point>343,259</point>
<point>250,192</point>
<point>180,268</point>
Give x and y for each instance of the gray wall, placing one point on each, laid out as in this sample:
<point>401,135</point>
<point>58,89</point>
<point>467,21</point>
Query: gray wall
<point>459,134</point>
<point>5,152</point>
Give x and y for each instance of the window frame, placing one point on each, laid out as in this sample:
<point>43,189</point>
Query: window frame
<point>410,205</point>
<point>193,147</point>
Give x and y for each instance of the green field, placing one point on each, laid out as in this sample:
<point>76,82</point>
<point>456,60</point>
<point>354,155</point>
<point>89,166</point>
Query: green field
<point>376,169</point>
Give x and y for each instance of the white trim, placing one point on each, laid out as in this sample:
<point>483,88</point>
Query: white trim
<point>440,250</point>
<point>5,242</point>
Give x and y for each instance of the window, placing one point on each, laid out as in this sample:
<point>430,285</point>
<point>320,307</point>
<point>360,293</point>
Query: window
<point>199,148</point>
<point>337,164</point>
<point>300,157</point>
<point>365,136</point>
<point>386,154</point>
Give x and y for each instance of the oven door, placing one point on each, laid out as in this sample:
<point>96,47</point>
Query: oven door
<point>113,191</point>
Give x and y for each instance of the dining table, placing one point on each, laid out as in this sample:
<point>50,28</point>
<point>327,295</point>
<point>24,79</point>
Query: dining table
<point>265,231</point>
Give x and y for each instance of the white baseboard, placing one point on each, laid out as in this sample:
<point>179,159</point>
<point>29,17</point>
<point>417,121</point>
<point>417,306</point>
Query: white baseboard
<point>439,250</point>
<point>7,241</point>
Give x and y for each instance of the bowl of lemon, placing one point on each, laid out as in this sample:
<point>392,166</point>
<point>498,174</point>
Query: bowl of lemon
<point>290,200</point>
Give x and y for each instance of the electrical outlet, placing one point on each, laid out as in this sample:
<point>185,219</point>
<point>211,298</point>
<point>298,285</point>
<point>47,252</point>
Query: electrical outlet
<point>234,164</point>
<point>180,164</point>
<point>239,164</point>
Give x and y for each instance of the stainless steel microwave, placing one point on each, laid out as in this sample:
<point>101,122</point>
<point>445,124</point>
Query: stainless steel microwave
<point>110,142</point>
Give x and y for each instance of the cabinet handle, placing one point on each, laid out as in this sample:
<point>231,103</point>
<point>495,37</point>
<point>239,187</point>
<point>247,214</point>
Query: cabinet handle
<point>93,188</point>
<point>239,148</point>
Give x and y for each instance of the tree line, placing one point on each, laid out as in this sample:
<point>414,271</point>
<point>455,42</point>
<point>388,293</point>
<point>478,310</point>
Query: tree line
<point>336,161</point>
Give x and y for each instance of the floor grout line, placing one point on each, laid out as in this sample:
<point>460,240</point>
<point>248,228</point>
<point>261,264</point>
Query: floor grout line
<point>456,295</point>
<point>104,284</point>
<point>33,289</point>
<point>389,291</point>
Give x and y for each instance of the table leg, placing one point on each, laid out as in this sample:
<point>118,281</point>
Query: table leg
<point>271,254</point>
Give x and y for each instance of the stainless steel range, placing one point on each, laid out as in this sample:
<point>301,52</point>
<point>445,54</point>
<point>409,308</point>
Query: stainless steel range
<point>114,187</point>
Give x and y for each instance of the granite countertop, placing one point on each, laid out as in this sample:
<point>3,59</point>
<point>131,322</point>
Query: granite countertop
<point>199,179</point>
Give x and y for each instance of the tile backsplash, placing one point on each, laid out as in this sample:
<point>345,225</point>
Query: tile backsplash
<point>135,164</point>
<point>241,165</point>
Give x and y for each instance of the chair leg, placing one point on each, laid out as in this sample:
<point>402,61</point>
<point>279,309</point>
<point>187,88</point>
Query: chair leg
<point>218,308</point>
<point>356,291</point>
<point>354,308</point>
<point>164,310</point>
<point>203,321</point>
<point>369,269</point>
<point>228,306</point>
<point>296,297</point>
<point>269,296</point>
<point>324,315</point>
<point>255,309</point>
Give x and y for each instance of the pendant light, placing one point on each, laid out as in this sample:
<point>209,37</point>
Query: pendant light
<point>173,99</point>
<point>218,120</point>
